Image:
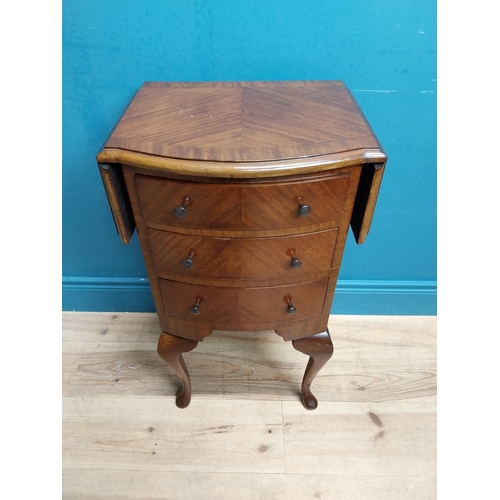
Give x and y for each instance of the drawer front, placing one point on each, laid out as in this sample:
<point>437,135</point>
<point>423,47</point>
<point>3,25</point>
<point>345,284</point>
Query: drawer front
<point>204,206</point>
<point>288,205</point>
<point>243,306</point>
<point>242,206</point>
<point>233,259</point>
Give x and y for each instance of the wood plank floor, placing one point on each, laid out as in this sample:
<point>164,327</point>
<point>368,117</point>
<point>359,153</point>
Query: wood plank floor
<point>245,434</point>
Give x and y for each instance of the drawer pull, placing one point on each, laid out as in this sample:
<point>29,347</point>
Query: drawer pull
<point>195,308</point>
<point>290,309</point>
<point>188,263</point>
<point>181,210</point>
<point>295,262</point>
<point>304,210</point>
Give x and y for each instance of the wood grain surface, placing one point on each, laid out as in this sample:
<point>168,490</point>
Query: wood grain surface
<point>242,121</point>
<point>243,306</point>
<point>242,206</point>
<point>245,434</point>
<point>242,258</point>
<point>232,123</point>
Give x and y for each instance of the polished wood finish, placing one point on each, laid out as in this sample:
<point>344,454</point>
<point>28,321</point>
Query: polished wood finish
<point>242,206</point>
<point>220,210</point>
<point>294,328</point>
<point>157,132</point>
<point>112,178</point>
<point>170,349</point>
<point>320,349</point>
<point>239,121</point>
<point>286,258</point>
<point>241,170</point>
<point>243,306</point>
<point>242,194</point>
<point>369,186</point>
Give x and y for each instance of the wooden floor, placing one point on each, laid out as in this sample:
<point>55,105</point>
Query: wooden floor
<point>245,435</point>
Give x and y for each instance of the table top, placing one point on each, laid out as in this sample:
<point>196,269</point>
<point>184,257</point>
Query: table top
<point>242,128</point>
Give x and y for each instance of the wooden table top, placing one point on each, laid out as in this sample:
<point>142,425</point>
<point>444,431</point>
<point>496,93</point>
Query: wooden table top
<point>246,126</point>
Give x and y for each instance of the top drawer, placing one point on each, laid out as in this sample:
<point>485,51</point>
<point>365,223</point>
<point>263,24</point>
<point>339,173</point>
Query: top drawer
<point>199,205</point>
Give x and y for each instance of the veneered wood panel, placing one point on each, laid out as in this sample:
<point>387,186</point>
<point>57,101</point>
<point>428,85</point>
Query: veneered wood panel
<point>272,258</point>
<point>288,330</point>
<point>242,121</point>
<point>233,306</point>
<point>242,206</point>
<point>277,205</point>
<point>214,206</point>
<point>116,192</point>
<point>211,172</point>
<point>270,304</point>
<point>242,258</point>
<point>213,258</point>
<point>366,198</point>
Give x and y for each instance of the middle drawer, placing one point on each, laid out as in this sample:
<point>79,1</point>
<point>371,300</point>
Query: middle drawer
<point>239,259</point>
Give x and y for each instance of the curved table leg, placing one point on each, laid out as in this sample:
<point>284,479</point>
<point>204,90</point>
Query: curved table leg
<point>170,349</point>
<point>320,349</point>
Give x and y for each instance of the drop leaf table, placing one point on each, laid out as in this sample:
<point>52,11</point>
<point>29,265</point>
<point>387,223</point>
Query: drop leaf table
<point>242,194</point>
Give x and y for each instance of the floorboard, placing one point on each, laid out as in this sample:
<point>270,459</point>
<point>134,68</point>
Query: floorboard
<point>245,434</point>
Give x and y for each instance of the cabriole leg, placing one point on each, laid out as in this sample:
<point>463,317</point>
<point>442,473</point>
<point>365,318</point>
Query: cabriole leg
<point>170,349</point>
<point>320,349</point>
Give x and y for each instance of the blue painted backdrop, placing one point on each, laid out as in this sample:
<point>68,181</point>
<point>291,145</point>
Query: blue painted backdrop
<point>385,52</point>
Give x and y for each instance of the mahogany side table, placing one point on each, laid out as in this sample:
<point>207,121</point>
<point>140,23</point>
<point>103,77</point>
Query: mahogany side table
<point>242,194</point>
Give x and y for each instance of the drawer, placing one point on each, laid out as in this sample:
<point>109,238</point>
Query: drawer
<point>276,206</point>
<point>243,306</point>
<point>199,205</point>
<point>204,206</point>
<point>249,258</point>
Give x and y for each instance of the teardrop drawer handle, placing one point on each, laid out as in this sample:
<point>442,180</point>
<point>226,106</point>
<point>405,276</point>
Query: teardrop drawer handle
<point>195,308</point>
<point>181,210</point>
<point>188,262</point>
<point>304,210</point>
<point>290,309</point>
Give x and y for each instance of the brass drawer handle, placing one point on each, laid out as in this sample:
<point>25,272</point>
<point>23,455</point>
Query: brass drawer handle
<point>188,262</point>
<point>290,309</point>
<point>181,210</point>
<point>195,308</point>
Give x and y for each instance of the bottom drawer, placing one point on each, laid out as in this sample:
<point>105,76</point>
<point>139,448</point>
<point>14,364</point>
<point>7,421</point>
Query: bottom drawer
<point>243,306</point>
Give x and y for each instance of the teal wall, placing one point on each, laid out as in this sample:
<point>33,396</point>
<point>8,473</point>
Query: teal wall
<point>385,52</point>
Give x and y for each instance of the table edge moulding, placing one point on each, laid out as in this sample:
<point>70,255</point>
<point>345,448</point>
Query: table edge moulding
<point>242,194</point>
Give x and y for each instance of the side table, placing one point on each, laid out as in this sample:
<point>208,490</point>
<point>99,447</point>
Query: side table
<point>242,194</point>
